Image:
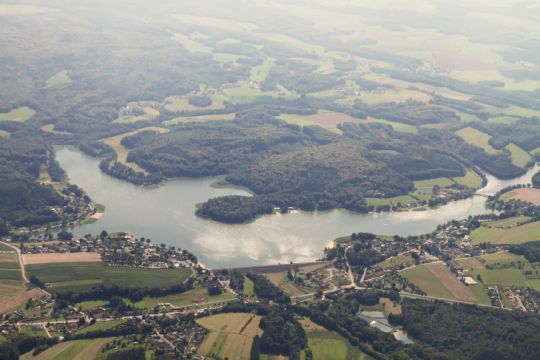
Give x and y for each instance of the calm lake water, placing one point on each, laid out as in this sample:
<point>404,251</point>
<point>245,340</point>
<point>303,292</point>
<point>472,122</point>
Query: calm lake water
<point>166,215</point>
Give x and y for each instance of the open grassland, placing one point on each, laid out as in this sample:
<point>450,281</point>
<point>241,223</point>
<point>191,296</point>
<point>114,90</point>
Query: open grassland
<point>231,335</point>
<point>243,93</point>
<point>190,44</point>
<point>471,180</point>
<point>101,325</point>
<point>259,73</point>
<point>328,345</point>
<point>436,280</point>
<point>502,257</point>
<point>248,287</point>
<point>507,277</point>
<point>530,195</point>
<point>29,259</point>
<point>477,138</point>
<point>509,222</point>
<point>400,127</point>
<point>280,280</point>
<point>20,114</point>
<point>399,260</point>
<point>115,142</point>
<point>392,201</point>
<point>189,297</point>
<point>471,263</point>
<point>515,235</point>
<point>4,134</point>
<point>200,118</point>
<point>137,111</point>
<point>71,350</point>
<point>82,276</point>
<point>60,79</point>
<point>519,156</point>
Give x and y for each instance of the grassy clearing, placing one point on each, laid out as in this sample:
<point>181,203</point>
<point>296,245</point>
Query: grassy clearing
<point>186,298</point>
<point>91,305</point>
<point>507,277</point>
<point>231,335</point>
<point>5,134</point>
<point>280,280</point>
<point>190,44</point>
<point>101,325</point>
<point>514,235</point>
<point>405,128</point>
<point>60,79</point>
<point>137,111</point>
<point>427,281</point>
<point>393,201</point>
<point>20,114</point>
<point>471,180</point>
<point>200,118</point>
<point>248,287</point>
<point>329,345</point>
<point>245,94</point>
<point>519,156</point>
<point>509,222</point>
<point>481,294</point>
<point>80,276</point>
<point>115,142</point>
<point>259,73</point>
<point>477,138</point>
<point>502,258</point>
<point>401,259</point>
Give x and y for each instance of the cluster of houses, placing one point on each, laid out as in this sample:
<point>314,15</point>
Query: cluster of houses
<point>120,249</point>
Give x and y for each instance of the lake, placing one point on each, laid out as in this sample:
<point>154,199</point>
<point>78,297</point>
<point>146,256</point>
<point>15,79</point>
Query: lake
<point>166,214</point>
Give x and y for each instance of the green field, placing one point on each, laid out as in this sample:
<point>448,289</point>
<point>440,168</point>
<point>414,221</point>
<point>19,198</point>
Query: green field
<point>20,114</point>
<point>508,277</point>
<point>101,325</point>
<point>5,134</point>
<point>69,350</point>
<point>184,299</point>
<point>425,280</point>
<point>328,345</point>
<point>519,156</point>
<point>248,287</point>
<point>9,266</point>
<point>477,138</point>
<point>403,200</point>
<point>400,127</point>
<point>91,305</point>
<point>509,222</point>
<point>515,235</point>
<point>200,118</point>
<point>60,79</point>
<point>471,180</point>
<point>401,259</point>
<point>231,335</point>
<point>82,276</point>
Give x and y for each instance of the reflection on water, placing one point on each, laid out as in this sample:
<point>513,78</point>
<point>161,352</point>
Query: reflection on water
<point>166,214</point>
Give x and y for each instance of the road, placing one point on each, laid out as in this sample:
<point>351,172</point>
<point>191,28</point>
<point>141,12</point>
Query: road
<point>23,271</point>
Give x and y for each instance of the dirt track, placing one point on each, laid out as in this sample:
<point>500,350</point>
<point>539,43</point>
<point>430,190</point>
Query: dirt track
<point>30,259</point>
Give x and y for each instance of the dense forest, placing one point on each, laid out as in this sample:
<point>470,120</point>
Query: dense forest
<point>24,202</point>
<point>304,167</point>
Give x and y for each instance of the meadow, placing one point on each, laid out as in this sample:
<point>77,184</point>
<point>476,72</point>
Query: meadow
<point>437,281</point>
<point>328,345</point>
<point>83,276</point>
<point>184,299</point>
<point>69,350</point>
<point>231,335</point>
<point>60,79</point>
<point>20,114</point>
<point>514,235</point>
<point>519,156</point>
<point>477,138</point>
<point>399,260</point>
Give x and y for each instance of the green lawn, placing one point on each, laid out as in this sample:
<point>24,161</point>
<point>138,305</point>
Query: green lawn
<point>183,299</point>
<point>403,200</point>
<point>60,79</point>
<point>425,280</point>
<point>81,276</point>
<point>101,325</point>
<point>471,180</point>
<point>514,235</point>
<point>477,138</point>
<point>20,114</point>
<point>519,156</point>
<point>248,287</point>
